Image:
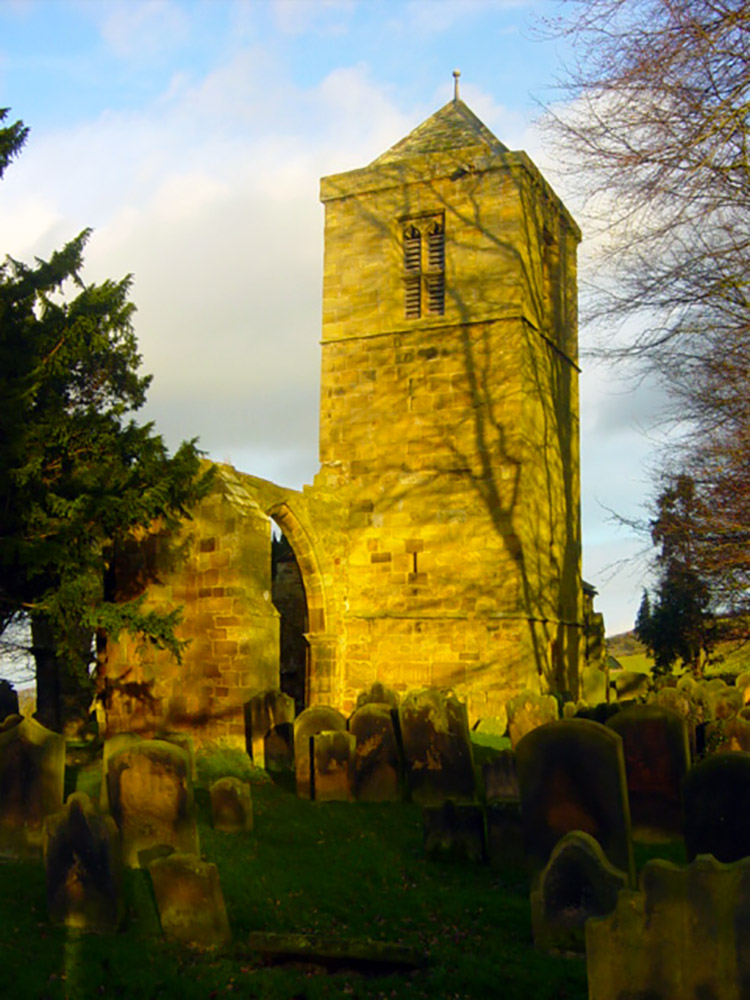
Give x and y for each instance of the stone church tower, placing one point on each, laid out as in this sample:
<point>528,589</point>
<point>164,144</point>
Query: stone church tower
<point>449,416</point>
<point>440,543</point>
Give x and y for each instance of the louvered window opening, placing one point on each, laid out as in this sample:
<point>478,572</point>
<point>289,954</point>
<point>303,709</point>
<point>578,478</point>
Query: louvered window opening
<point>424,287</point>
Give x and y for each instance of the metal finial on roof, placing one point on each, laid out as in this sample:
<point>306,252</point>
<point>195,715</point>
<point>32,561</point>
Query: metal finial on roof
<point>456,74</point>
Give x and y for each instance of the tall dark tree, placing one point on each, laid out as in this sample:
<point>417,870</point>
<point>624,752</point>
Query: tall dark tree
<point>78,475</point>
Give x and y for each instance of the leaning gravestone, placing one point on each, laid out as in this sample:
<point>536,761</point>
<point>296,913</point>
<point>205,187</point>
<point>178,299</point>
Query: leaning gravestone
<point>378,694</point>
<point>231,805</point>
<point>657,758</point>
<point>151,800</point>
<point>437,747</point>
<point>313,720</point>
<point>332,771</point>
<point>717,807</point>
<point>572,777</point>
<point>453,832</point>
<point>262,712</point>
<point>82,863</point>
<point>377,761</point>
<point>527,711</point>
<point>190,901</point>
<point>578,882</point>
<point>32,775</point>
<point>683,935</point>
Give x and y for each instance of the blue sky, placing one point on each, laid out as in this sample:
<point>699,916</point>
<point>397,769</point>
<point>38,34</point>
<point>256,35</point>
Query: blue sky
<point>191,137</point>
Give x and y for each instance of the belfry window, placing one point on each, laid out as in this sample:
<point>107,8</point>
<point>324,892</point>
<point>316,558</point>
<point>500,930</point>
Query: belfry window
<point>424,267</point>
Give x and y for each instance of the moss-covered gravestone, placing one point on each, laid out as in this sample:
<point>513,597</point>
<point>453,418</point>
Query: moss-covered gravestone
<point>683,936</point>
<point>231,805</point>
<point>190,901</point>
<point>262,712</point>
<point>577,882</point>
<point>83,868</point>
<point>378,694</point>
<point>527,711</point>
<point>333,766</point>
<point>657,758</point>
<point>32,774</point>
<point>316,719</point>
<point>453,832</point>
<point>437,747</point>
<point>572,777</point>
<point>151,800</point>
<point>716,794</point>
<point>377,761</point>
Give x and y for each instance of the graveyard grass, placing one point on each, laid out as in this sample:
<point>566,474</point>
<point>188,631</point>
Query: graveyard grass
<point>346,870</point>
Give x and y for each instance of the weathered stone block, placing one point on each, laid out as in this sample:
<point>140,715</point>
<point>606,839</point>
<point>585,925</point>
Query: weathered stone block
<point>231,805</point>
<point>190,901</point>
<point>572,777</point>
<point>577,882</point>
<point>83,868</point>
<point>151,800</point>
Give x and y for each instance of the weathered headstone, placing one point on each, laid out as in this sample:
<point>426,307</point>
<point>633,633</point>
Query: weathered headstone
<point>595,683</point>
<point>377,762</point>
<point>493,725</point>
<point>190,901</point>
<point>527,711</point>
<point>657,758</point>
<point>453,832</point>
<point>278,748</point>
<point>333,756</point>
<point>32,774</point>
<point>8,699</point>
<point>185,742</point>
<point>151,800</point>
<point>112,745</point>
<point>724,702</point>
<point>727,735</point>
<point>578,882</point>
<point>572,777</point>
<point>437,747</point>
<point>683,935</point>
<point>378,694</point>
<point>630,684</point>
<point>501,777</point>
<point>716,795</point>
<point>231,805</point>
<point>82,863</point>
<point>262,712</point>
<point>315,719</point>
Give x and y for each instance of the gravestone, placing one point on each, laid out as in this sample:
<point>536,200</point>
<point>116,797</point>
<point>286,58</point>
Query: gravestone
<point>578,882</point>
<point>453,832</point>
<point>527,711</point>
<point>278,748</point>
<point>501,777</point>
<point>657,758</point>
<point>32,775</point>
<point>231,805</point>
<point>333,756</point>
<point>684,935</point>
<point>594,683</point>
<point>185,742</point>
<point>8,699</point>
<point>722,701</point>
<point>437,748</point>
<point>572,777</point>
<point>377,761</point>
<point>378,694</point>
<point>190,901</point>
<point>262,712</point>
<point>112,745</point>
<point>504,832</point>
<point>716,795</point>
<point>631,684</point>
<point>727,735</point>
<point>151,800</point>
<point>493,725</point>
<point>82,865</point>
<point>598,713</point>
<point>315,719</point>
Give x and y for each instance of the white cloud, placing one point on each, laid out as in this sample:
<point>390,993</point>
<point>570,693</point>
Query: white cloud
<point>141,30</point>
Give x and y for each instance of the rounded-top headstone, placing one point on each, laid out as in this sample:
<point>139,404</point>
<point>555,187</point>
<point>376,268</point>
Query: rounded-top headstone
<point>716,796</point>
<point>313,720</point>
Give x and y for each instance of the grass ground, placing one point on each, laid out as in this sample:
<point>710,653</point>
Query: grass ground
<point>351,870</point>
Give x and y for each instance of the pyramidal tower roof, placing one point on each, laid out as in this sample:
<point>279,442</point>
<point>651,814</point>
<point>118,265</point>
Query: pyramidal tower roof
<point>452,127</point>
